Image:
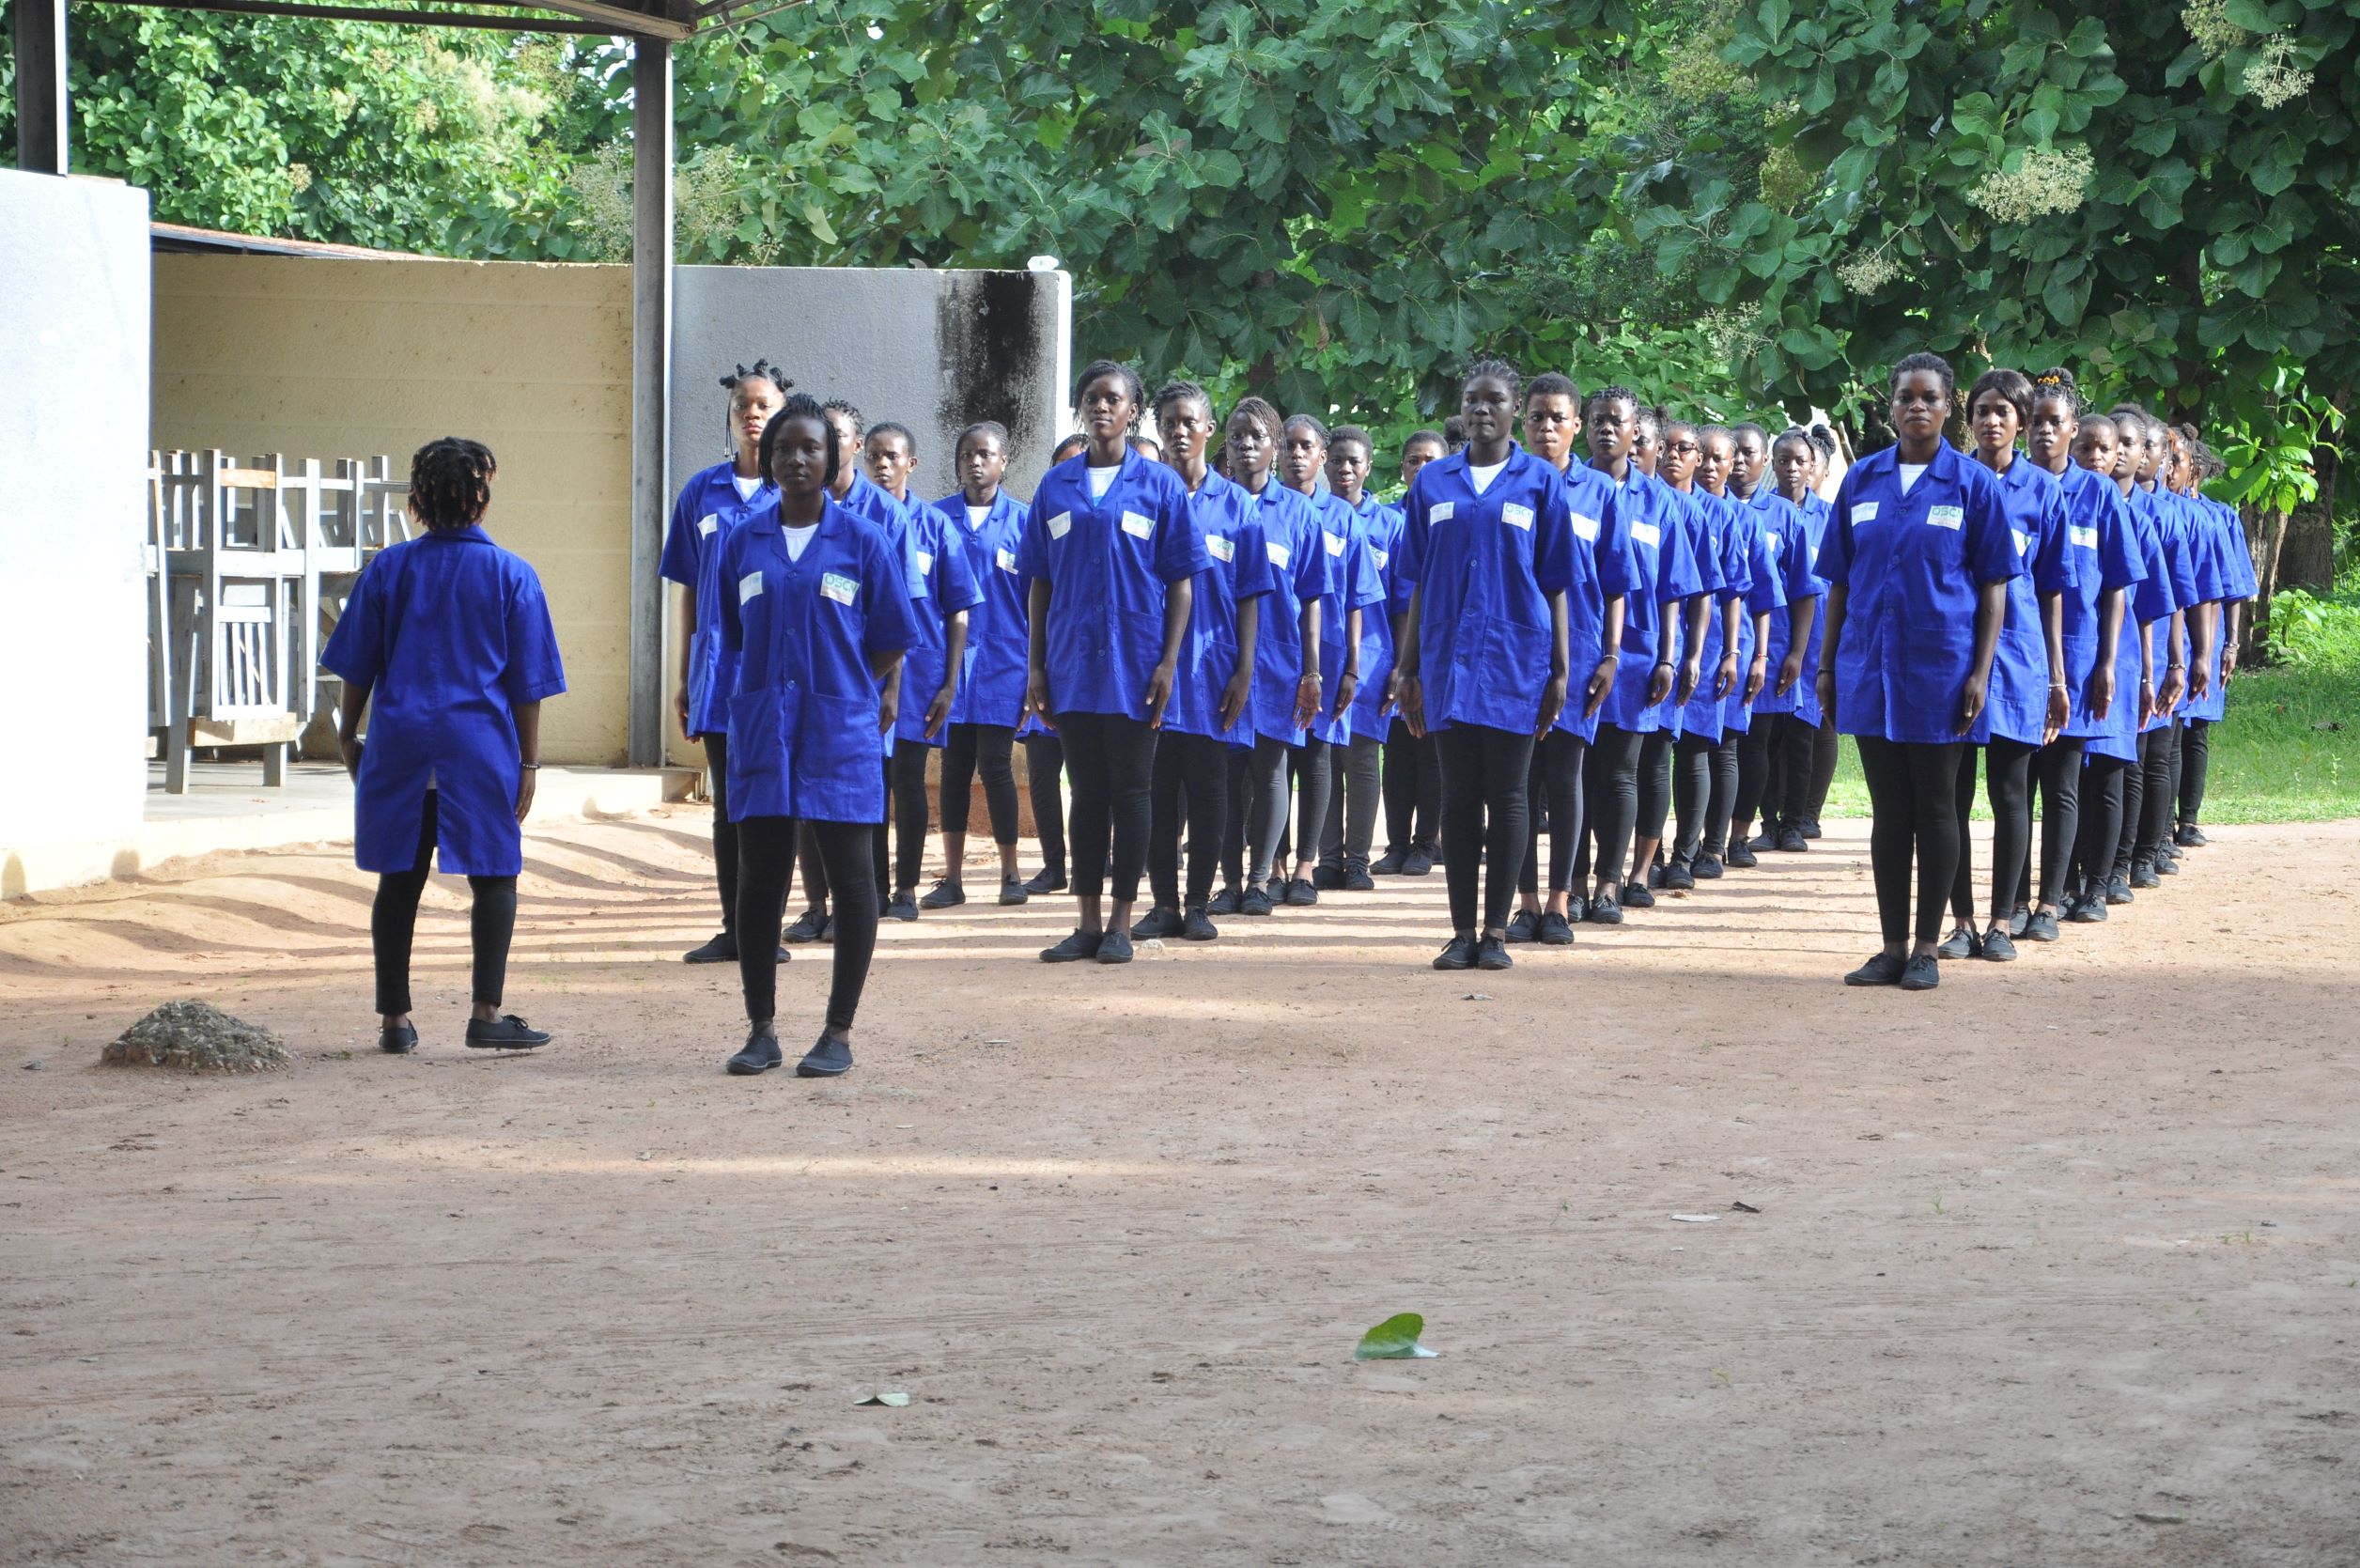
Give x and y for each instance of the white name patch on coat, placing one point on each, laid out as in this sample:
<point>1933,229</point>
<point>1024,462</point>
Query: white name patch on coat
<point>1221,548</point>
<point>1586,528</point>
<point>1380,558</point>
<point>1440,511</point>
<point>2086,537</point>
<point>1516,515</point>
<point>707,523</point>
<point>1007,559</point>
<point>837,586</point>
<point>925,560</point>
<point>1948,517</point>
<point>1647,534</point>
<point>2024,540</point>
<point>1864,512</point>
<point>1335,543</point>
<point>749,587</point>
<point>1279,553</point>
<point>1138,527</point>
<point>1059,524</point>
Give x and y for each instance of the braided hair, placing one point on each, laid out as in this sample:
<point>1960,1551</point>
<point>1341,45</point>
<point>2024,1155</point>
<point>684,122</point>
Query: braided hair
<point>450,483</point>
<point>2057,382</point>
<point>1499,369</point>
<point>760,370</point>
<point>1606,396</point>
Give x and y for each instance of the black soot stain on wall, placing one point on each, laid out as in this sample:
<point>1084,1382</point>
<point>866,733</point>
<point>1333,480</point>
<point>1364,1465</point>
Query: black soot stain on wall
<point>992,347</point>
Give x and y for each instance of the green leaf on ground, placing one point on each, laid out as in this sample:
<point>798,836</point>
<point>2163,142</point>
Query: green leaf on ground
<point>1394,1339</point>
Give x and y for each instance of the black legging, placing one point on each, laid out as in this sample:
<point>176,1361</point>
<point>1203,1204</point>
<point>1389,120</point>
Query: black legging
<point>1913,801</point>
<point>1267,818</point>
<point>2196,760</point>
<point>1691,794</point>
<point>2104,786</point>
<point>819,875</point>
<point>1610,797</point>
<point>1760,770</point>
<point>1555,779</point>
<point>910,812</point>
<point>724,830</point>
<point>1722,803</point>
<point>2007,765</point>
<point>1111,759</point>
<point>1825,745</point>
<point>1043,760</point>
<point>2147,802</point>
<point>767,847</point>
<point>2058,769</point>
<point>1191,784</point>
<point>1484,819</point>
<point>1654,788</point>
<point>991,747</point>
<point>393,921</point>
<point>1413,789</point>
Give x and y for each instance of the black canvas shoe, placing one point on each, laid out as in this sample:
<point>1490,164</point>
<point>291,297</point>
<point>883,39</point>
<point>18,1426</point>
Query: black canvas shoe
<point>1326,877</point>
<point>723,948</point>
<point>1556,931</point>
<point>1920,974</point>
<point>946,895</point>
<point>1705,867</point>
<point>1741,857</point>
<point>1076,948</point>
<point>1678,879</point>
<point>1301,893</point>
<point>1492,953</point>
<point>1225,902</point>
<point>400,1040</point>
<point>1603,910</point>
<point>2143,876</point>
<point>2166,864</point>
<point>1387,864</point>
<point>1047,879</point>
<point>1808,826</point>
<point>1419,861</point>
<point>1458,954</point>
<point>1767,839</point>
<point>2088,910</point>
<point>829,1058</point>
<point>1962,943</point>
<point>901,905</point>
<point>810,927</point>
<point>1525,928</point>
<point>1196,926</point>
<point>1357,879</point>
<point>1635,896</point>
<point>1998,947</point>
<point>2119,889</point>
<point>1794,840</point>
<point>1115,946</point>
<point>1157,923</point>
<point>2040,926</point>
<point>505,1033</point>
<point>759,1055</point>
<point>1255,900</point>
<point>2017,920</point>
<point>1012,892</point>
<point>1883,969</point>
<point>2190,836</point>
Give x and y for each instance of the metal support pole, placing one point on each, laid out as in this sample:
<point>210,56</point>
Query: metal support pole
<point>42,110</point>
<point>651,385</point>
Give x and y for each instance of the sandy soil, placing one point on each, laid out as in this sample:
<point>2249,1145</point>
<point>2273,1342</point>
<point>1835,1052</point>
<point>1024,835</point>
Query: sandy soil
<point>2057,1265</point>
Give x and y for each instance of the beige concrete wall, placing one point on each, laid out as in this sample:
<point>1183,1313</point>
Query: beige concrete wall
<point>331,358</point>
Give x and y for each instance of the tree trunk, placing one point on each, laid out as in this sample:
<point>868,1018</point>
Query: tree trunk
<point>2308,559</point>
<point>2265,535</point>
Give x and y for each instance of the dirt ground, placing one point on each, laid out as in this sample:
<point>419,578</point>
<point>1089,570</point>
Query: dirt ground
<point>2056,1266</point>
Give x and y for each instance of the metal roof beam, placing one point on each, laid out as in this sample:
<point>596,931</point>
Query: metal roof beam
<point>580,16</point>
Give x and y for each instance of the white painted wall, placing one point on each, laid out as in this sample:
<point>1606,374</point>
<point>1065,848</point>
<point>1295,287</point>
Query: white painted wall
<point>73,459</point>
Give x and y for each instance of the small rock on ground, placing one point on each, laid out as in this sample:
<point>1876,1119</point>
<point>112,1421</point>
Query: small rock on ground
<point>197,1037</point>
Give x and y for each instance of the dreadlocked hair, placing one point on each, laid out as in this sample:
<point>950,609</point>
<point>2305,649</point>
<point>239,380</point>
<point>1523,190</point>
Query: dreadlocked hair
<point>760,370</point>
<point>450,483</point>
<point>846,407</point>
<point>1499,369</point>
<point>803,405</point>
<point>2057,382</point>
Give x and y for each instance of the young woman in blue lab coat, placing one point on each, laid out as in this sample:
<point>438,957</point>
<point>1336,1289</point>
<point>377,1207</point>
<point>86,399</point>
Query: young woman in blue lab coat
<point>1484,658</point>
<point>1413,774</point>
<point>1823,743</point>
<point>1288,681</point>
<point>990,696</point>
<point>1705,756</point>
<point>2171,593</point>
<point>1353,595</point>
<point>1356,792</point>
<point>819,615</point>
<point>1206,722</point>
<point>1113,551</point>
<point>1666,582</point>
<point>2089,621</point>
<point>1916,564</point>
<point>1602,577</point>
<point>712,506</point>
<point>1044,752</point>
<point>937,662</point>
<point>2238,584</point>
<point>2209,550</point>
<point>446,643</point>
<point>2030,699</point>
<point>1775,746</point>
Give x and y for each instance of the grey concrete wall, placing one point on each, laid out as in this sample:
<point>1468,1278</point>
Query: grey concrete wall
<point>934,350</point>
<point>73,463</point>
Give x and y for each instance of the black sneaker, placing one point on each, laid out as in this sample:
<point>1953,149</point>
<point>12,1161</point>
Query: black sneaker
<point>1387,864</point>
<point>1276,887</point>
<point>1301,894</point>
<point>1157,923</point>
<point>1326,877</point>
<point>400,1040</point>
<point>760,1054</point>
<point>1705,867</point>
<point>2118,889</point>
<point>1196,926</point>
<point>1075,949</point>
<point>1920,974</point>
<point>1458,954</point>
<point>1742,857</point>
<point>1012,892</point>
<point>1765,840</point>
<point>1115,946</point>
<point>1225,902</point>
<point>1655,874</point>
<point>1883,969</point>
<point>1998,947</point>
<point>829,1058</point>
<point>1492,953</point>
<point>946,895</point>
<point>1046,880</point>
<point>2018,919</point>
<point>723,948</point>
<point>2166,864</point>
<point>1962,943</point>
<point>1255,900</point>
<point>2190,836</point>
<point>902,906</point>
<point>2088,910</point>
<point>1418,863</point>
<point>505,1033</point>
<point>2040,926</point>
<point>1525,928</point>
<point>1677,877</point>
<point>1555,930</point>
<point>1809,827</point>
<point>810,927</point>
<point>1603,910</point>
<point>1357,879</point>
<point>2143,876</point>
<point>1635,896</point>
